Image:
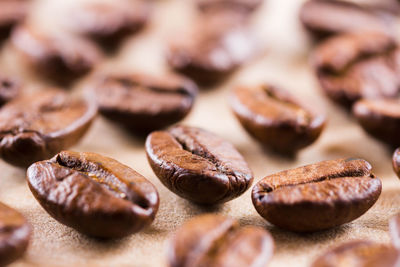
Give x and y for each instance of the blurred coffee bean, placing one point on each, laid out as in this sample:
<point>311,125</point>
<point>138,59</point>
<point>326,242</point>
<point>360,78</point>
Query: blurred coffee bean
<point>12,12</point>
<point>396,162</point>
<point>60,57</point>
<point>15,233</point>
<point>359,254</point>
<point>328,17</point>
<point>394,222</point>
<point>213,49</point>
<point>380,118</point>
<point>198,165</point>
<point>246,6</point>
<point>275,119</point>
<point>216,241</point>
<point>35,127</point>
<point>143,103</point>
<point>9,89</point>
<point>109,22</point>
<point>358,65</point>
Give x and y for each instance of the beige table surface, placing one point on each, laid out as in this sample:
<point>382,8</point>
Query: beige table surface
<point>282,61</point>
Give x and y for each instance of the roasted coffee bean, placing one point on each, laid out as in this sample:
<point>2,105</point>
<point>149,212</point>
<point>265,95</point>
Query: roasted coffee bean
<point>15,233</point>
<point>144,103</point>
<point>93,194</point>
<point>396,162</point>
<point>109,22</point>
<point>328,17</point>
<point>359,254</point>
<point>198,165</point>
<point>9,89</point>
<point>12,12</point>
<point>317,196</point>
<point>217,241</point>
<point>358,65</point>
<point>246,6</point>
<point>380,118</point>
<point>216,46</point>
<point>394,229</point>
<point>36,127</point>
<point>57,56</point>
<point>275,118</point>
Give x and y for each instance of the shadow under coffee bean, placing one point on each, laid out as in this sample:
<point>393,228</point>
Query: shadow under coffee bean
<point>15,233</point>
<point>198,165</point>
<point>218,241</point>
<point>318,196</point>
<point>275,118</point>
<point>36,127</point>
<point>93,194</point>
<point>143,103</point>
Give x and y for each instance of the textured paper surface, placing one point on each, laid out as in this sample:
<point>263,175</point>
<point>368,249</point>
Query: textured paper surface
<point>282,61</point>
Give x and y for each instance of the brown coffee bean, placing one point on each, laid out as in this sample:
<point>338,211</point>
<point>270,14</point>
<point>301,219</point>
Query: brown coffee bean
<point>58,56</point>
<point>36,127</point>
<point>93,194</point>
<point>215,47</point>
<point>216,241</point>
<point>9,89</point>
<point>359,254</point>
<point>396,162</point>
<point>358,65</point>
<point>328,17</point>
<point>380,118</point>
<point>15,233</point>
<point>274,118</point>
<point>198,165</point>
<point>144,103</point>
<point>109,22</point>
<point>246,6</point>
<point>317,196</point>
<point>12,12</point>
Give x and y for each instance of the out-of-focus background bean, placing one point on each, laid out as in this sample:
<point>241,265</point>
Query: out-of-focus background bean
<point>282,60</point>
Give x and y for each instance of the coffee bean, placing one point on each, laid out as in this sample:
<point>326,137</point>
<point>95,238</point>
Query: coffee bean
<point>109,22</point>
<point>328,17</point>
<point>274,118</point>
<point>12,12</point>
<point>57,56</point>
<point>36,127</point>
<point>396,162</point>
<point>217,241</point>
<point>358,65</point>
<point>144,103</point>
<point>93,194</point>
<point>15,233</point>
<point>317,196</point>
<point>198,165</point>
<point>380,118</point>
<point>246,6</point>
<point>9,89</point>
<point>359,254</point>
<point>215,47</point>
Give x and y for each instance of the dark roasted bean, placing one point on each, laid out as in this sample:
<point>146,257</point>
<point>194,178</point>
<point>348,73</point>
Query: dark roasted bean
<point>318,196</point>
<point>198,165</point>
<point>93,194</point>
